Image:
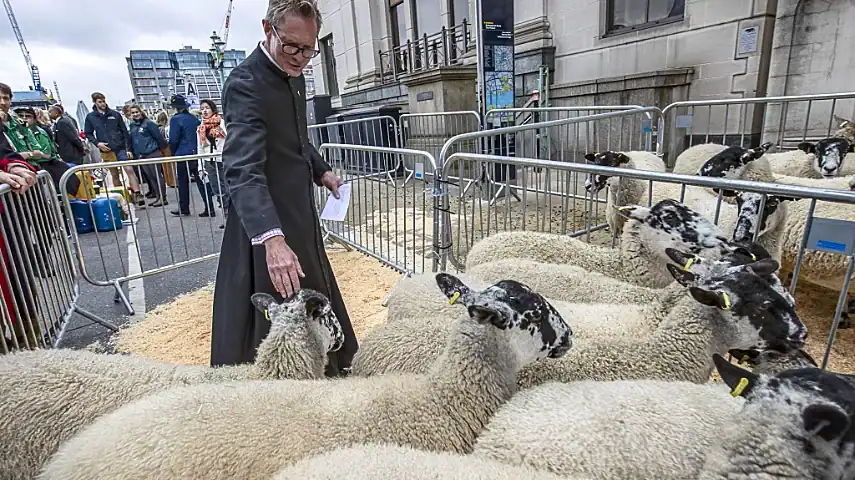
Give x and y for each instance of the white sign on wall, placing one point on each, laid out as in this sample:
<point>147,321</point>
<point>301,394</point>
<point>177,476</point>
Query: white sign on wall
<point>748,40</point>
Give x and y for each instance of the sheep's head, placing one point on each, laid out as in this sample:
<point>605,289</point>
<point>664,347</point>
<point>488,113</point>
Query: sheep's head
<point>760,315</point>
<point>670,222</point>
<point>731,162</point>
<point>537,329</point>
<point>305,305</point>
<point>595,182</point>
<point>828,154</point>
<point>795,424</point>
<point>748,204</point>
<point>772,361</point>
<point>740,254</point>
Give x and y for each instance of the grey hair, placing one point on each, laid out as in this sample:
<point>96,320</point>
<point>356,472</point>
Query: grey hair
<point>277,9</point>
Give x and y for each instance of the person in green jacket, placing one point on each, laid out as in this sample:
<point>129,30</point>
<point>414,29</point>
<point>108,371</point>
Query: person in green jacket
<point>39,140</point>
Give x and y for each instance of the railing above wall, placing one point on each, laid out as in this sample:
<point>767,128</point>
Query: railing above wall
<point>444,48</point>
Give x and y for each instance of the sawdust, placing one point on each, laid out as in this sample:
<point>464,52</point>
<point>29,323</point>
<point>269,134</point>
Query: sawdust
<point>180,331</point>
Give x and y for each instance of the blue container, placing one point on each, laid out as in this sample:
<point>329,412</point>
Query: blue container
<point>104,220</point>
<point>82,216</point>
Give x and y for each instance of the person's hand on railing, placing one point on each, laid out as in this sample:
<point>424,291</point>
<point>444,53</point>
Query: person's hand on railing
<point>18,177</point>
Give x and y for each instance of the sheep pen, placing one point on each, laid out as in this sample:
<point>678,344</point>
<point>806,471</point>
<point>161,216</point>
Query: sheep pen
<point>180,331</point>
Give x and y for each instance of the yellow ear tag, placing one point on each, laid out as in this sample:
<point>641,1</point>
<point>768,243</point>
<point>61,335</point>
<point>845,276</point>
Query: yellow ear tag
<point>267,315</point>
<point>726,298</point>
<point>739,388</point>
<point>454,298</point>
<point>689,264</point>
<point>743,359</point>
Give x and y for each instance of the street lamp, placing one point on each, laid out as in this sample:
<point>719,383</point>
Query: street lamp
<point>218,56</point>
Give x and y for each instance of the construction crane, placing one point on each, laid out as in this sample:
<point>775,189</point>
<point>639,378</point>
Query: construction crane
<point>56,89</point>
<point>34,70</point>
<point>219,42</point>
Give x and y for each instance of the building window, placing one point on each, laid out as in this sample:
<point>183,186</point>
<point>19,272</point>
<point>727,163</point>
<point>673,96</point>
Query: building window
<point>328,58</point>
<point>398,19</point>
<point>630,15</point>
<point>428,19</point>
<point>459,11</point>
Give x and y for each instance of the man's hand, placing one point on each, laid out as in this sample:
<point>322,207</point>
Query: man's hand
<point>28,175</point>
<point>130,156</point>
<point>39,154</point>
<point>103,147</point>
<point>19,184</point>
<point>332,182</point>
<point>283,266</point>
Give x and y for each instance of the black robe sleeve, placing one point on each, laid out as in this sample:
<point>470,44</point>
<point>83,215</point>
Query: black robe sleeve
<point>319,165</point>
<point>245,154</point>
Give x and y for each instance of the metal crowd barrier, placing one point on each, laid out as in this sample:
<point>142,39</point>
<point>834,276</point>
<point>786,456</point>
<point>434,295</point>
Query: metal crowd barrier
<point>151,238</point>
<point>379,131</point>
<point>829,235</point>
<point>37,275</point>
<point>390,216</point>
<point>428,132</point>
<point>527,115</point>
<point>749,121</point>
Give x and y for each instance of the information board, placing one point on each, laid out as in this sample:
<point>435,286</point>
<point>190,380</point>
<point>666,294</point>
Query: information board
<point>497,33</point>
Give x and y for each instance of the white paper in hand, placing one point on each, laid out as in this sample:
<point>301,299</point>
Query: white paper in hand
<point>336,209</point>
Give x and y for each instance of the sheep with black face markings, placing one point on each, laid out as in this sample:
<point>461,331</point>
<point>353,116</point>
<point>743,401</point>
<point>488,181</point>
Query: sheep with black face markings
<point>253,429</point>
<point>827,158</point>
<point>738,308</point>
<point>49,395</point>
<point>797,424</point>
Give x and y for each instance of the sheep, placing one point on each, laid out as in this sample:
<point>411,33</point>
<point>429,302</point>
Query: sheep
<point>631,191</point>
<point>690,160</point>
<point>827,158</point>
<point>720,313</point>
<point>694,159</point>
<point>677,430</point>
<point>392,462</point>
<point>49,395</point>
<point>253,429</point>
<point>772,361</point>
<point>639,261</point>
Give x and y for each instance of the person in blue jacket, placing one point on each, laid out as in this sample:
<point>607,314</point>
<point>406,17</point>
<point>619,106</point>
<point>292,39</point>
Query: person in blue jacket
<point>182,141</point>
<point>147,142</point>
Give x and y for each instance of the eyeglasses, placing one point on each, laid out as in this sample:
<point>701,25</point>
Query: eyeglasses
<point>307,52</point>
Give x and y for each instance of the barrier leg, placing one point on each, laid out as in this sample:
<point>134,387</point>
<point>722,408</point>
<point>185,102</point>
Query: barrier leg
<point>96,319</point>
<point>121,297</point>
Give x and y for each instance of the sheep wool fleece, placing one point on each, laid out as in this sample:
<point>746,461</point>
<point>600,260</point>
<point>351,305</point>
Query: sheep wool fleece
<point>623,430</point>
<point>392,462</point>
<point>251,430</point>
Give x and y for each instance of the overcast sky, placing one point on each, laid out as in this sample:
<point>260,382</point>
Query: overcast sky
<point>82,44</point>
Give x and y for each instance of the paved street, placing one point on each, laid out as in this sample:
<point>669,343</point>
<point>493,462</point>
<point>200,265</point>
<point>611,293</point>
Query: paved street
<point>162,240</point>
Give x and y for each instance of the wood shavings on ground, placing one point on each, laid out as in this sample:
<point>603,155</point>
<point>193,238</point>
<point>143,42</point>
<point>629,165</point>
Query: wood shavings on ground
<point>180,331</point>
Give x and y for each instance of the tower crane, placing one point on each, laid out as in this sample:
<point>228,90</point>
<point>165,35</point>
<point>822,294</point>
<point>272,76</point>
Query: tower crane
<point>218,47</point>
<point>34,70</point>
<point>56,89</point>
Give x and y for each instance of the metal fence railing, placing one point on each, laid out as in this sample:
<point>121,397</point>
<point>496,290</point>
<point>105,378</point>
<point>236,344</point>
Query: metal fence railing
<point>390,216</point>
<point>135,236</point>
<point>428,132</point>
<point>750,121</point>
<point>378,131</point>
<point>828,228</point>
<point>37,275</point>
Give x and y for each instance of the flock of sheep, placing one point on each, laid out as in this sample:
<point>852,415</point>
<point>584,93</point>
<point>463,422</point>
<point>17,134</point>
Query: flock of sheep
<point>549,358</point>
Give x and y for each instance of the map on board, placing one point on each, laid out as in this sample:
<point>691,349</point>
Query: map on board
<point>503,58</point>
<point>499,89</point>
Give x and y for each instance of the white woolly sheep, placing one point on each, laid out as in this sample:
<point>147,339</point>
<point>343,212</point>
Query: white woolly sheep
<point>709,320</point>
<point>629,191</point>
<point>695,159</point>
<point>690,160</point>
<point>253,429</point>
<point>641,258</point>
<point>392,462</point>
<point>830,157</point>
<point>49,395</point>
<point>677,430</point>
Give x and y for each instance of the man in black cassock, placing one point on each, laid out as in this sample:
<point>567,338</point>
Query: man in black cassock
<point>272,241</point>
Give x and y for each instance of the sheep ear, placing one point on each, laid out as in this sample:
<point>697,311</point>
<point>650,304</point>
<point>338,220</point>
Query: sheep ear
<point>739,380</point>
<point>263,301</point>
<point>486,315</point>
<point>763,268</point>
<point>807,147</point>
<point>683,277</point>
<point>680,258</point>
<point>622,158</point>
<point>744,355</point>
<point>452,287</point>
<point>315,303</point>
<point>710,299</point>
<point>590,157</point>
<point>827,421</point>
